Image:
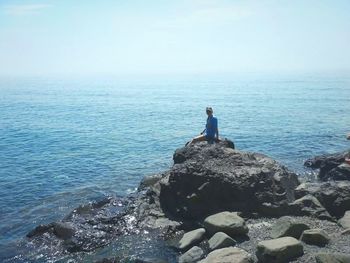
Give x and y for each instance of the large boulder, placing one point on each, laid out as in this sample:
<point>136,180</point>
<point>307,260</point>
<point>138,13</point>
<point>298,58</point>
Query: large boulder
<point>208,178</point>
<point>331,166</point>
<point>191,238</point>
<point>279,250</point>
<point>316,237</point>
<point>227,222</point>
<point>333,195</point>
<point>228,255</point>
<point>287,226</point>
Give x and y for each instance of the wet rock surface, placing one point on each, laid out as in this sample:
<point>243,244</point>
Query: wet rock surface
<point>331,166</point>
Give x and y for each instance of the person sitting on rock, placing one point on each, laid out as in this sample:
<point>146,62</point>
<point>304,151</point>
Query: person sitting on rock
<point>211,131</point>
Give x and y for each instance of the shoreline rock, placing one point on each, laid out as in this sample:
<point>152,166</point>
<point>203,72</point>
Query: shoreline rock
<point>205,181</point>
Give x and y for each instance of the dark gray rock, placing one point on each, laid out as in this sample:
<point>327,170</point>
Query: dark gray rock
<point>63,230</point>
<point>40,229</point>
<point>333,195</point>
<point>220,240</point>
<point>191,256</point>
<point>309,206</point>
<point>287,226</point>
<point>279,250</point>
<point>316,237</point>
<point>332,258</point>
<point>330,166</point>
<point>227,222</point>
<point>209,178</point>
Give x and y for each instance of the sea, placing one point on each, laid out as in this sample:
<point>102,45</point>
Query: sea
<point>65,141</point>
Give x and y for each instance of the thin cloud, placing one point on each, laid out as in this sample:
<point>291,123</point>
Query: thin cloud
<point>25,9</point>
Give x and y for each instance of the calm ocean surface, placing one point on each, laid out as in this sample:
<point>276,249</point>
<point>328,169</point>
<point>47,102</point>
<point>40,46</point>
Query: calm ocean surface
<point>64,142</point>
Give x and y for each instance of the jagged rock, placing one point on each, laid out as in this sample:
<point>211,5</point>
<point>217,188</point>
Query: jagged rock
<point>309,206</point>
<point>341,172</point>
<point>228,255</point>
<point>150,180</point>
<point>220,240</point>
<point>191,256</point>
<point>331,166</point>
<point>316,237</point>
<point>345,220</point>
<point>279,250</point>
<point>208,178</point>
<point>39,230</point>
<point>332,258</point>
<point>334,195</point>
<point>227,222</point>
<point>191,238</point>
<point>287,226</point>
<point>306,205</point>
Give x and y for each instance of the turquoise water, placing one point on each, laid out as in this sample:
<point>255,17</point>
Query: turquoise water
<point>64,142</point>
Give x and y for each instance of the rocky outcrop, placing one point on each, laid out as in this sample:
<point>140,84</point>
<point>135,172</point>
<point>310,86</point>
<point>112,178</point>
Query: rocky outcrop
<point>331,166</point>
<point>209,178</point>
<point>333,195</point>
<point>212,187</point>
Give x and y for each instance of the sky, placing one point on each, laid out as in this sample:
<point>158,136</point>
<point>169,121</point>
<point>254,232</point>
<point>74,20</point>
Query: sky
<point>43,37</point>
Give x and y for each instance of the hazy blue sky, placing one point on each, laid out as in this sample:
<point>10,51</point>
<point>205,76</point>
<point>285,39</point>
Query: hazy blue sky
<point>169,36</point>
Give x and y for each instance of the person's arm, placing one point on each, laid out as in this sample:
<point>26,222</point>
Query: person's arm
<point>203,131</point>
